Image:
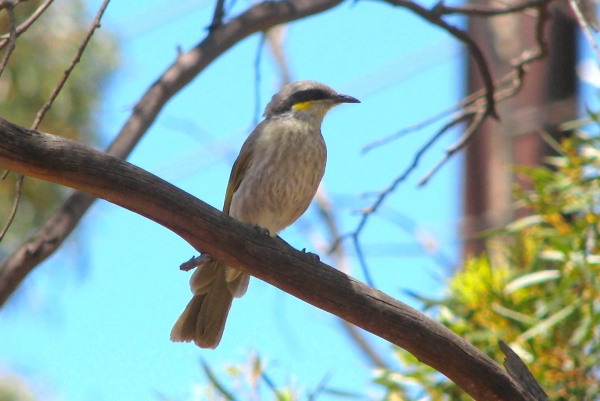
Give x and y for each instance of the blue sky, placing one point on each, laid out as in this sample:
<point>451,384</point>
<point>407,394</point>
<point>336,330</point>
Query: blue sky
<point>93,321</point>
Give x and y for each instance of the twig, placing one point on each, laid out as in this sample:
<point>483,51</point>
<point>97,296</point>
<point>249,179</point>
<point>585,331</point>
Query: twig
<point>362,260</point>
<point>450,151</point>
<point>218,15</point>
<point>381,196</point>
<point>581,20</point>
<point>13,212</point>
<point>27,23</point>
<point>474,50</point>
<point>95,25</point>
<point>407,130</point>
<point>339,256</point>
<point>11,38</point>
<point>515,78</point>
<point>473,107</point>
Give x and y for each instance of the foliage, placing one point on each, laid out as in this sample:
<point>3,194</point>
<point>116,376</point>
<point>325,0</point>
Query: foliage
<point>536,288</point>
<point>36,65</point>
<point>250,381</point>
<point>13,388</point>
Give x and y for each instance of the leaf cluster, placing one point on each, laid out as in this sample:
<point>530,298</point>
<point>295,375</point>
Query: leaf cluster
<point>535,288</point>
<point>41,55</point>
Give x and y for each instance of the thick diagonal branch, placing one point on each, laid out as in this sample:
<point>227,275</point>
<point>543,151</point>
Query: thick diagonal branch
<point>208,230</point>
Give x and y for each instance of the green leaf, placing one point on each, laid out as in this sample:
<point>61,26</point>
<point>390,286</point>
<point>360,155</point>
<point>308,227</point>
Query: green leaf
<point>213,379</point>
<point>583,329</point>
<point>343,394</point>
<point>532,279</point>
<point>525,222</point>
<point>546,324</point>
<point>511,314</point>
<point>271,384</point>
<point>320,387</point>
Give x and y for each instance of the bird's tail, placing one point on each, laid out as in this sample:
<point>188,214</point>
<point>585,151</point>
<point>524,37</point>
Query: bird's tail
<point>214,285</point>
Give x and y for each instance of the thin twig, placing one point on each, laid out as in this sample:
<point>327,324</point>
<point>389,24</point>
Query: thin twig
<point>218,15</point>
<point>13,212</point>
<point>516,78</point>
<point>95,25</point>
<point>9,6</point>
<point>362,260</point>
<point>382,196</point>
<point>585,27</point>
<point>450,151</point>
<point>326,213</point>
<point>27,23</point>
<point>11,38</point>
<point>474,50</point>
<point>474,107</point>
<point>407,130</point>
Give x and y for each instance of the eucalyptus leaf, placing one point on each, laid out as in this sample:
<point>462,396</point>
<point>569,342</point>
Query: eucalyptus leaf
<point>532,279</point>
<point>524,223</point>
<point>546,324</point>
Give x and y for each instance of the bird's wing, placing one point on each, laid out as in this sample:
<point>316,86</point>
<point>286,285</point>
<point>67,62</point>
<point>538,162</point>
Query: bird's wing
<point>240,167</point>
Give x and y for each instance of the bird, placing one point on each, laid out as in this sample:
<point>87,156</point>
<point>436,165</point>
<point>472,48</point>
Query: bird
<point>272,183</point>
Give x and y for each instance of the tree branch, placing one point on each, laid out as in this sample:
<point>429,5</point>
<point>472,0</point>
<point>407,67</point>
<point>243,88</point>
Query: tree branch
<point>50,236</point>
<point>25,25</point>
<point>66,162</point>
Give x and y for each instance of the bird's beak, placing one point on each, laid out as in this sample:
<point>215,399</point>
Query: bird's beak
<point>346,99</point>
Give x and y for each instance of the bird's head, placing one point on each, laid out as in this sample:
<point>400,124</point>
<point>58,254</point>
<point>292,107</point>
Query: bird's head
<point>305,100</point>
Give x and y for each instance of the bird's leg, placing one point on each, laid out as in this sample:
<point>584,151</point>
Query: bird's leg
<point>262,230</point>
<point>313,256</point>
<point>190,264</point>
<point>194,262</point>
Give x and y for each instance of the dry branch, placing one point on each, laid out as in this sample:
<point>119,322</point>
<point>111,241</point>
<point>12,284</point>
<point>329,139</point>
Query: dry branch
<point>208,230</point>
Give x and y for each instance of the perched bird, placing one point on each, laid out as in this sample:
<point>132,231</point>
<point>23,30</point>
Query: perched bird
<point>273,181</point>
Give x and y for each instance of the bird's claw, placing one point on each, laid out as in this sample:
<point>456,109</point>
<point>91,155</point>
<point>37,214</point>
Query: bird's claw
<point>190,264</point>
<point>262,230</point>
<point>311,255</point>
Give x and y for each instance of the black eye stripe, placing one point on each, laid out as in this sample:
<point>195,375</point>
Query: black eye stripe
<point>308,95</point>
<point>302,96</point>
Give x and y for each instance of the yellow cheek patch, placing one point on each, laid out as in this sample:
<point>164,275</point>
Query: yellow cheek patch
<point>303,106</point>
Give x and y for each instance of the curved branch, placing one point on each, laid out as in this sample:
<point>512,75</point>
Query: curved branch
<point>208,230</point>
<point>435,18</point>
<point>50,236</point>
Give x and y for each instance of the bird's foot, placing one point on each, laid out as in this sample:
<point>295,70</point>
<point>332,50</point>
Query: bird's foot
<point>262,230</point>
<point>191,264</point>
<point>313,256</point>
<point>194,262</point>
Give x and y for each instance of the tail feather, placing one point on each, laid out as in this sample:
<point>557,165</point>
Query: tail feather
<point>205,274</point>
<point>203,319</point>
<point>239,285</point>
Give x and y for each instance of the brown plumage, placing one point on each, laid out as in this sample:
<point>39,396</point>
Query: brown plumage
<point>272,182</point>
